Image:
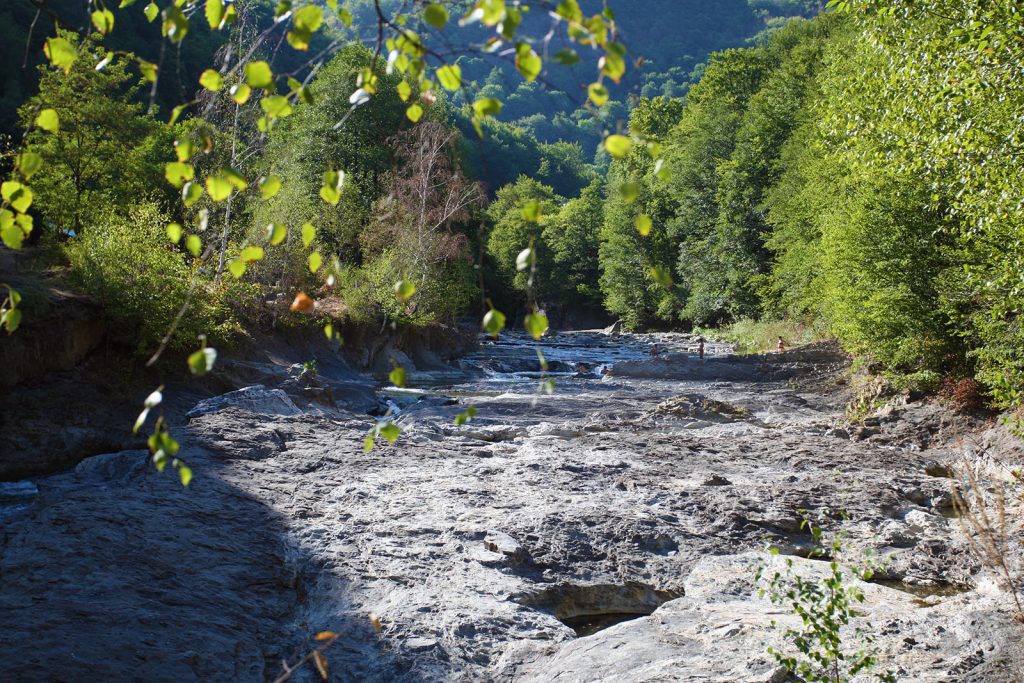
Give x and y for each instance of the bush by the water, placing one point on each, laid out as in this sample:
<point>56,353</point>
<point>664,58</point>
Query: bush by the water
<point>142,281</point>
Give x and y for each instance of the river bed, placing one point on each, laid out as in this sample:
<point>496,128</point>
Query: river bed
<point>610,530</point>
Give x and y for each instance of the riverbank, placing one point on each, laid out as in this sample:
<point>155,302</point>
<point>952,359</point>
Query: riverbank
<point>71,388</point>
<point>602,532</point>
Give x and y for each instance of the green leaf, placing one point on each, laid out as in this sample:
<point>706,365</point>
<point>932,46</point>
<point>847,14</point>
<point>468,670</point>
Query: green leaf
<point>211,80</point>
<point>140,420</point>
<point>174,232</point>
<point>450,76</point>
<point>299,39</point>
<point>176,24</point>
<point>661,276</point>
<point>269,187</point>
<point>308,234</point>
<point>629,191</point>
<point>10,233</point>
<point>404,90</point>
<point>184,474</point>
<point>536,324</point>
<point>662,171</point>
<point>315,261</point>
<point>494,322</point>
<point>183,150</point>
<point>414,112</point>
<point>532,211</point>
<point>528,62</point>
<point>613,64</point>
<point>259,75</point>
<point>331,190</point>
<point>397,376</point>
<point>308,18</point>
<point>177,173</point>
<point>435,15</point>
<point>214,14</point>
<point>240,93</point>
<point>598,94</point>
<point>491,11</point>
<point>105,62</point>
<point>194,245</point>
<point>486,106</point>
<point>12,320</point>
<point>148,70</point>
<point>19,196</point>
<point>61,53</point>
<point>368,443</point>
<point>390,431</point>
<point>29,163</point>
<point>151,11</point>
<point>176,113</point>
<point>218,187</point>
<point>201,362</point>
<point>48,120</point>
<point>276,233</point>
<point>191,193</point>
<point>566,57</point>
<point>643,224</point>
<point>251,254</point>
<point>618,145</point>
<point>306,21</point>
<point>237,268</point>
<point>345,16</point>
<point>276,106</point>
<point>103,20</point>
<point>570,11</point>
<point>404,290</point>
<point>465,417</point>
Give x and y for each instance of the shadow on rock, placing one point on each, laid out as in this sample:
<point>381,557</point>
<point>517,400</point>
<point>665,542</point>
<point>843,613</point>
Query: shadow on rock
<point>119,573</point>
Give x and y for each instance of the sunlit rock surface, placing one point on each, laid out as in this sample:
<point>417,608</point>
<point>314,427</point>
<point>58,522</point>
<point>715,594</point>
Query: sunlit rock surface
<point>623,507</point>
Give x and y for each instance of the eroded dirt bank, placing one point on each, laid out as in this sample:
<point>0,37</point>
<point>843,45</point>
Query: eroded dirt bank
<point>520,547</point>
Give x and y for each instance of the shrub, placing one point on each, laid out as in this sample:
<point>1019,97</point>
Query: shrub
<point>142,281</point>
<point>965,395</point>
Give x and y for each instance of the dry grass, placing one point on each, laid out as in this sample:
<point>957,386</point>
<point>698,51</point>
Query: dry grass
<point>990,530</point>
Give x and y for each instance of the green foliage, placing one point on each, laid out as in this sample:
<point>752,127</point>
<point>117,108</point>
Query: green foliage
<point>513,232</point>
<point>104,154</point>
<point>826,607</point>
<point>760,336</point>
<point>935,94</point>
<point>301,146</point>
<point>635,268</point>
<point>125,261</point>
<point>881,256</point>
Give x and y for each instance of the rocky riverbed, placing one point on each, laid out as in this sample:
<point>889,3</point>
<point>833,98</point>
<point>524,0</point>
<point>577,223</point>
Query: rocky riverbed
<point>608,531</point>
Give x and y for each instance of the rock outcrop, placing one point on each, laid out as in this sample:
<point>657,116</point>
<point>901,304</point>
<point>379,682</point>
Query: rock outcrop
<point>578,536</point>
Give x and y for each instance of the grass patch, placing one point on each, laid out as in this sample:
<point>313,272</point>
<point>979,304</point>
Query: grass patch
<point>759,336</point>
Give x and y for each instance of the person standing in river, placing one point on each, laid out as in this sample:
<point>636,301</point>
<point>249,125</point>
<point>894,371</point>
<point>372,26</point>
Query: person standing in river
<point>782,345</point>
<point>700,347</point>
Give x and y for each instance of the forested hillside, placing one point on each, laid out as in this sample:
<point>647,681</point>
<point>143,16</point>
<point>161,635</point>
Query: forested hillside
<point>854,169</point>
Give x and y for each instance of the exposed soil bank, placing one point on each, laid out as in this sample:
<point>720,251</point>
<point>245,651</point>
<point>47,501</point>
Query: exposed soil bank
<point>70,388</point>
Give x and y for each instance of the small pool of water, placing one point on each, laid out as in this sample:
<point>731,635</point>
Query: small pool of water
<point>588,625</point>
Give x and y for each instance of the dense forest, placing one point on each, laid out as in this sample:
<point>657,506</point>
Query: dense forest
<point>853,169</point>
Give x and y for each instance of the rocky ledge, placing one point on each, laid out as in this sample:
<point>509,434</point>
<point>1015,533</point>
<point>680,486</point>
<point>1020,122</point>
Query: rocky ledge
<point>608,532</point>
